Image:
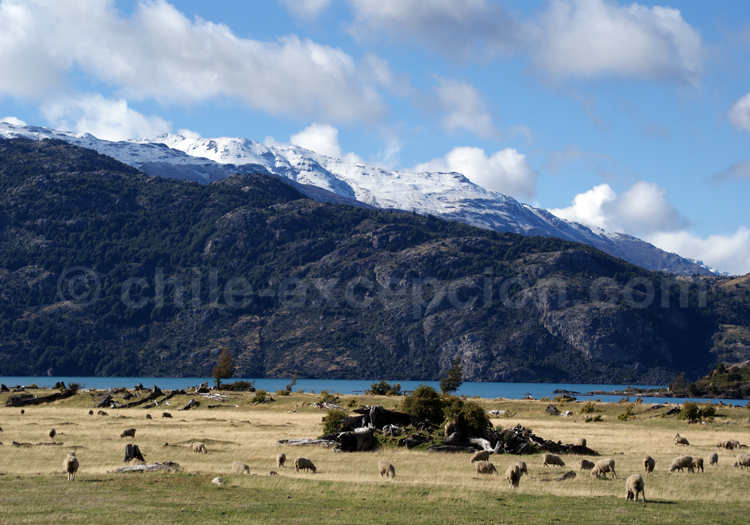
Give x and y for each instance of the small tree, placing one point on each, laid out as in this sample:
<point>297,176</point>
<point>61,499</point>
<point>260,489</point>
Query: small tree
<point>291,385</point>
<point>425,403</point>
<point>455,378</point>
<point>224,368</point>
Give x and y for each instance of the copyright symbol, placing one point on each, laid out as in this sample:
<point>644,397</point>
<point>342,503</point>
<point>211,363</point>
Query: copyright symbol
<point>79,285</point>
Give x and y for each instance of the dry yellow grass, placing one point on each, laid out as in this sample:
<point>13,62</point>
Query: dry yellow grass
<point>249,434</point>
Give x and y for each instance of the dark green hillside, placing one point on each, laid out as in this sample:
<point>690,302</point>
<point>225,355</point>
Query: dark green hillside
<point>106,271</point>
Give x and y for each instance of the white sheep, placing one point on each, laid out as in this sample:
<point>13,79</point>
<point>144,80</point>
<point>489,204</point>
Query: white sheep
<point>513,475</point>
<point>219,482</point>
<point>743,460</point>
<point>581,442</point>
<point>304,463</point>
<point>713,459</point>
<point>551,459</point>
<point>239,467</point>
<point>280,459</point>
<point>682,462</point>
<point>679,440</point>
<point>602,467</point>
<point>386,469</point>
<point>648,464</point>
<point>485,467</point>
<point>70,465</point>
<point>480,455</point>
<point>128,432</point>
<point>585,464</point>
<point>698,464</point>
<point>199,447</point>
<point>522,465</point>
<point>633,485</point>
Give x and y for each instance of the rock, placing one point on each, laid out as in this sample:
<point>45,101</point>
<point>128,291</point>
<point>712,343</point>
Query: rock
<point>552,410</point>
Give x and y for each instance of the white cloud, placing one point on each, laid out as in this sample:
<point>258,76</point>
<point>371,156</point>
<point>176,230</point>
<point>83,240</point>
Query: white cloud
<point>103,118</point>
<point>585,38</point>
<point>160,54</point>
<point>458,28</point>
<point>323,139</point>
<point>13,120</point>
<point>641,209</point>
<point>464,109</point>
<point>505,171</point>
<point>725,253</point>
<point>306,9</point>
<point>739,114</point>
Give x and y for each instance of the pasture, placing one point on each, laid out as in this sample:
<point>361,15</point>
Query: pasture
<point>428,488</point>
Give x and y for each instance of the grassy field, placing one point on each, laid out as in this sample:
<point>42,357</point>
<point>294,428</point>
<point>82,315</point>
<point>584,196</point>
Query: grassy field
<point>429,488</point>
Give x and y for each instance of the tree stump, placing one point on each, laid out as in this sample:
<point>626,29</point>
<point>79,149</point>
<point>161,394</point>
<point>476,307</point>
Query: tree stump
<point>132,452</point>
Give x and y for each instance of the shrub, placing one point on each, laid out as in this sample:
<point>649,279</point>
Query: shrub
<point>260,397</point>
<point>74,387</point>
<point>588,408</point>
<point>352,403</point>
<point>332,421</point>
<point>564,398</point>
<point>424,403</point>
<point>590,419</point>
<point>628,414</point>
<point>326,397</point>
<point>383,388</point>
<point>240,386</point>
<point>283,392</point>
<point>471,418</point>
<point>691,411</point>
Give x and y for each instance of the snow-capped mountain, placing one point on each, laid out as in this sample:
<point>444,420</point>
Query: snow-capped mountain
<point>448,195</point>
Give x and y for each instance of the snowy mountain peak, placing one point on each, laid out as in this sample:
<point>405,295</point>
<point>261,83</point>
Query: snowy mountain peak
<point>448,195</point>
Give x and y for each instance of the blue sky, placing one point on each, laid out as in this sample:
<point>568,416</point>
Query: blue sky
<point>633,117</point>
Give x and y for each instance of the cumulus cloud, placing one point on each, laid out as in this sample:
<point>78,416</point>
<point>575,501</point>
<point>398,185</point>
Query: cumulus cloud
<point>305,9</point>
<point>458,28</point>
<point>739,114</point>
<point>726,253</point>
<point>104,118</point>
<point>464,109</point>
<point>160,54</point>
<point>586,38</point>
<point>641,209</point>
<point>323,139</point>
<point>505,171</point>
<point>13,120</point>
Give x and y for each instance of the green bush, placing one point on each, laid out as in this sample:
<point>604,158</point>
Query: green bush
<point>352,403</point>
<point>260,397</point>
<point>283,392</point>
<point>332,421</point>
<point>564,398</point>
<point>628,414</point>
<point>691,411</point>
<point>383,388</point>
<point>592,419</point>
<point>424,403</point>
<point>327,397</point>
<point>239,386</point>
<point>588,408</point>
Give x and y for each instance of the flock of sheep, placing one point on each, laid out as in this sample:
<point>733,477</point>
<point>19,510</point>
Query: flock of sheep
<point>634,485</point>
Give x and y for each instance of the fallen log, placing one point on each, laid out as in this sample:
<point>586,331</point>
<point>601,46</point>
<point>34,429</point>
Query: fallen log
<point>19,401</point>
<point>169,466</point>
<point>53,444</point>
<point>327,443</point>
<point>192,404</point>
<point>450,448</point>
<point>155,392</point>
<point>219,406</point>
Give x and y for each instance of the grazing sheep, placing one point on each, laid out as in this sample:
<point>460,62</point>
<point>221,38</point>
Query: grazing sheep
<point>679,440</point>
<point>280,459</point>
<point>52,433</point>
<point>585,464</point>
<point>166,414</point>
<point>522,466</point>
<point>199,447</point>
<point>602,467</point>
<point>70,465</point>
<point>513,475</point>
<point>485,467</point>
<point>23,411</point>
<point>698,464</point>
<point>148,416</point>
<point>581,442</point>
<point>743,460</point>
<point>239,467</point>
<point>101,413</point>
<point>91,412</point>
<point>734,443</point>
<point>682,462</point>
<point>713,459</point>
<point>634,485</point>
<point>128,432</point>
<point>304,463</point>
<point>481,455</point>
<point>551,459</point>
<point>219,482</point>
<point>725,444</point>
<point>648,464</point>
<point>386,469</point>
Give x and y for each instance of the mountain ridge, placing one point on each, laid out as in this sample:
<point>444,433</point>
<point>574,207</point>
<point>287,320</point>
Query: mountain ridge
<point>447,195</point>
